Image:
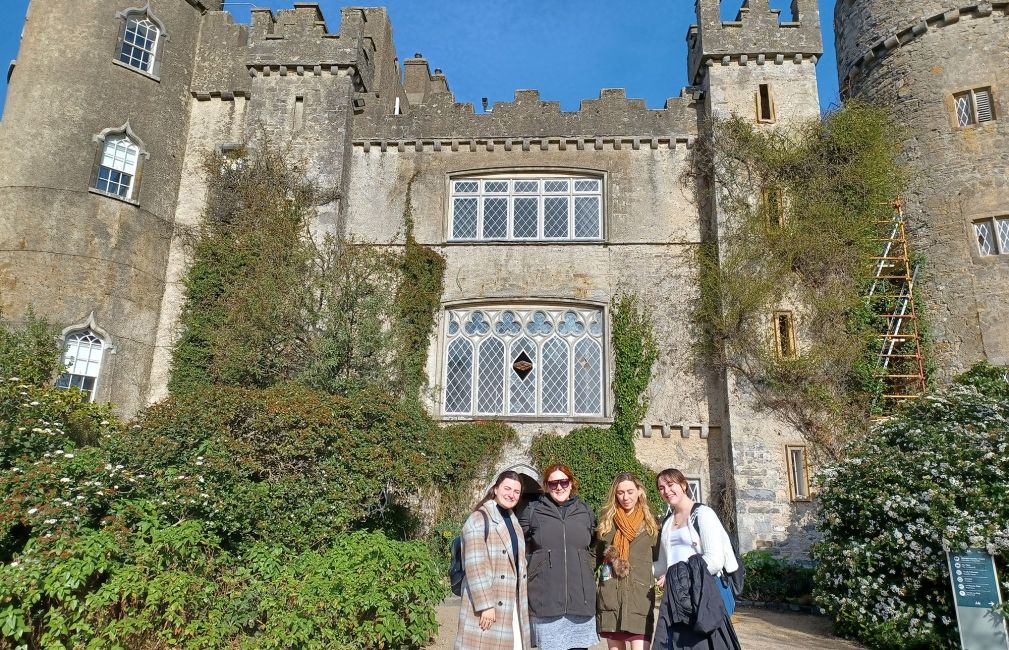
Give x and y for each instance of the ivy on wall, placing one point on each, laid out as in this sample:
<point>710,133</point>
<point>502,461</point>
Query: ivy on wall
<point>635,352</point>
<point>243,322</point>
<point>418,299</point>
<point>800,214</point>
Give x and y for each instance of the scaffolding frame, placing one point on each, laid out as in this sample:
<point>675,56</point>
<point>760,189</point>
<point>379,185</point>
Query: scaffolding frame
<point>900,364</point>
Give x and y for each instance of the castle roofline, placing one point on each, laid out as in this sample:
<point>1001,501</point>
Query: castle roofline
<point>515,123</point>
<point>849,71</point>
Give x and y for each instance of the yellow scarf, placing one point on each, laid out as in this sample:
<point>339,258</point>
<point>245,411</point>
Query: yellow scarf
<point>627,525</point>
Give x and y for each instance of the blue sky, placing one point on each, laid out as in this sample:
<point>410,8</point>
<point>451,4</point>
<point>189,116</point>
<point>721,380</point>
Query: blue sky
<point>567,49</point>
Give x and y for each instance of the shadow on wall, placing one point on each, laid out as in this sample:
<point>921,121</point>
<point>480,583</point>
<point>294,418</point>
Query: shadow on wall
<point>800,534</point>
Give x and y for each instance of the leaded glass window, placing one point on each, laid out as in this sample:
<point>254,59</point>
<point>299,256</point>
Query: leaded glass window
<point>139,43</point>
<point>117,168</point>
<point>526,208</point>
<point>458,387</point>
<point>974,106</point>
<point>528,361</point>
<point>985,237</point>
<point>992,236</point>
<point>1002,229</point>
<point>82,361</point>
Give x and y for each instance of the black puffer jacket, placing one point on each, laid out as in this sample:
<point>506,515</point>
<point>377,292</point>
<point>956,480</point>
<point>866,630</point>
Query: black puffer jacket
<point>692,614</point>
<point>559,546</point>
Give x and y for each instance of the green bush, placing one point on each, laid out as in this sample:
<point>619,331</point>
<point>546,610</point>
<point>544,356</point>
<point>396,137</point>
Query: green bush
<point>154,586</point>
<point>286,464</point>
<point>29,353</point>
<point>770,579</point>
<point>988,379</point>
<point>596,456</point>
<point>932,479</point>
<point>221,520</point>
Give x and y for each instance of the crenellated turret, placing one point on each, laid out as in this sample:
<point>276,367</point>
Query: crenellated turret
<point>757,34</point>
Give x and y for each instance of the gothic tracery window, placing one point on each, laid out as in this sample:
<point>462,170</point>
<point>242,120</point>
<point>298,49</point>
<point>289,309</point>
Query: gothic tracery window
<point>82,360</point>
<point>524,361</point>
<point>139,41</point>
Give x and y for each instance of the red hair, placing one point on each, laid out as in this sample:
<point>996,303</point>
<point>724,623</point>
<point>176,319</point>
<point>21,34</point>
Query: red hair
<point>560,467</point>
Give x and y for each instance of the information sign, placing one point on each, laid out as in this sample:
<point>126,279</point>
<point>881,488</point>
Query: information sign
<point>976,593</point>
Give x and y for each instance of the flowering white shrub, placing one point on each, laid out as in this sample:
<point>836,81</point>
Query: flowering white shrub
<point>931,479</point>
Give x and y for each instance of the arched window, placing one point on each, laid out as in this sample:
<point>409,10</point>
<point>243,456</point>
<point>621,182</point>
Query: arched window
<point>524,361</point>
<point>118,168</point>
<point>82,359</point>
<point>118,163</point>
<point>140,41</point>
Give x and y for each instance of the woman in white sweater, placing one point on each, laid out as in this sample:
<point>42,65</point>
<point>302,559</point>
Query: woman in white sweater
<point>679,540</point>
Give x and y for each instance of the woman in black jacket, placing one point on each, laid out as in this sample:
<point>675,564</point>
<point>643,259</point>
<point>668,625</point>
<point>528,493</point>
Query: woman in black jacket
<point>559,528</point>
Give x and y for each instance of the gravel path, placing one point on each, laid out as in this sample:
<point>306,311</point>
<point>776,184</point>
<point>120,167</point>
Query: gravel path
<point>758,629</point>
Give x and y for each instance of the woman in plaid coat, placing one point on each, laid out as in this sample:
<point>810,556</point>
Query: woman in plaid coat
<point>494,613</point>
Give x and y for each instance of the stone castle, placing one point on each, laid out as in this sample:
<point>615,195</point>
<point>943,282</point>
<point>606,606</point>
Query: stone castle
<point>542,215</point>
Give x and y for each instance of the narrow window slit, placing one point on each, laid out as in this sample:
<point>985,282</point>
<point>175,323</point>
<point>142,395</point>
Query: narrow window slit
<point>299,112</point>
<point>784,333</point>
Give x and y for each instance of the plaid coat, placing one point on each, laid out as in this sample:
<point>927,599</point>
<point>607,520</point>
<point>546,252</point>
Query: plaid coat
<point>492,573</point>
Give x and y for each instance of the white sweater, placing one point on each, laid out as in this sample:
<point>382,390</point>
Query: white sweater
<point>713,544</point>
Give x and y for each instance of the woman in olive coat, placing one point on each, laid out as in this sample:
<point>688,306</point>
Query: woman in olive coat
<point>625,549</point>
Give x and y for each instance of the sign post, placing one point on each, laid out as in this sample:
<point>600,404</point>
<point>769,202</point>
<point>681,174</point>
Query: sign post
<point>976,592</point>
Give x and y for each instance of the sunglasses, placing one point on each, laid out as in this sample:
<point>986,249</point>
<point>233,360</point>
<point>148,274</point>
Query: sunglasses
<point>562,484</point>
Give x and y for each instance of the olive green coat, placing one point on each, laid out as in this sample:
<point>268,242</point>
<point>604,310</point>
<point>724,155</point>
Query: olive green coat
<point>628,604</point>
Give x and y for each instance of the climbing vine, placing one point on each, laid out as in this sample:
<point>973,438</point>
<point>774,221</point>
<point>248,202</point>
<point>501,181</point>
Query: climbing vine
<point>417,301</point>
<point>243,321</point>
<point>635,352</point>
<point>800,215</point>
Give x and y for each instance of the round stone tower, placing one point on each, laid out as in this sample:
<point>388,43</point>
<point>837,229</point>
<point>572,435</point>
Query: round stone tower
<point>94,132</point>
<point>939,66</point>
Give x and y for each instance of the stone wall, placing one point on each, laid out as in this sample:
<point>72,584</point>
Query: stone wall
<point>912,60</point>
<point>731,61</point>
<point>651,232</point>
<point>105,256</point>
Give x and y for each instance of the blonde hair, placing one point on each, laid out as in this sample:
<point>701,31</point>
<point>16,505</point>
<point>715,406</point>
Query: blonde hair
<point>610,506</point>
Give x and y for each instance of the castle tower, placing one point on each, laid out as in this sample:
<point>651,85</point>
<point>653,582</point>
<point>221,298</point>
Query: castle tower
<point>939,66</point>
<point>93,136</point>
<point>285,81</point>
<point>761,67</point>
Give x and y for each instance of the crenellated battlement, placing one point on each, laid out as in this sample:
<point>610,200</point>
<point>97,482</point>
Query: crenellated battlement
<point>758,34</point>
<point>298,40</point>
<point>528,116</point>
<point>303,22</point>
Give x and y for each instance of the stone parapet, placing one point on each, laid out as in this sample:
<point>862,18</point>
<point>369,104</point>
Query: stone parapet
<point>298,38</point>
<point>442,119</point>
